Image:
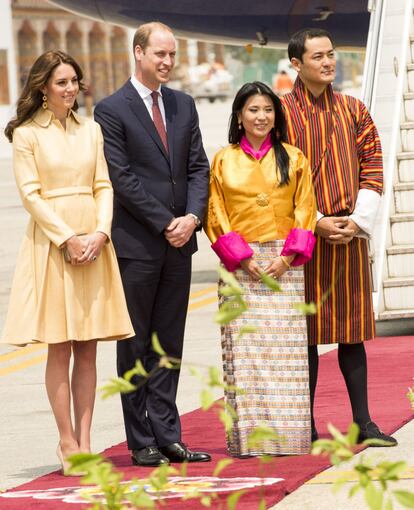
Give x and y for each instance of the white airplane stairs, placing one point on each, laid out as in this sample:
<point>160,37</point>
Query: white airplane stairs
<point>388,90</point>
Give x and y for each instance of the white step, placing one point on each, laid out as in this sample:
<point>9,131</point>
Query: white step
<point>412,47</point>
<point>404,197</point>
<point>402,228</point>
<point>399,293</point>
<point>407,136</point>
<point>410,76</point>
<point>405,313</point>
<point>409,106</point>
<point>405,166</point>
<point>400,260</point>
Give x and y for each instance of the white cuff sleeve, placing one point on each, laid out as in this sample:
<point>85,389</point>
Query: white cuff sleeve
<point>319,216</point>
<point>365,211</point>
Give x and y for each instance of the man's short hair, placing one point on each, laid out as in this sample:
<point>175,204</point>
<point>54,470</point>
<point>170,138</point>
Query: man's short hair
<point>142,35</point>
<point>296,47</point>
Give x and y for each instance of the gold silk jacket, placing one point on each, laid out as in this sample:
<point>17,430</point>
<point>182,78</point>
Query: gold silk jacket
<point>245,196</point>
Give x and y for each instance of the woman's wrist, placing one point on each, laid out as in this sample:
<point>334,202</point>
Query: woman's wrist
<point>286,260</point>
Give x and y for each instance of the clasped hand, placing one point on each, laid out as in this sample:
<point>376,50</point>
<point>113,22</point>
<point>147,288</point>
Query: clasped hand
<point>337,229</point>
<point>85,249</point>
<point>179,231</point>
<point>275,269</point>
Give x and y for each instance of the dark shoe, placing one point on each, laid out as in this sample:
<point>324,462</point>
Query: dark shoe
<point>178,452</point>
<point>149,456</point>
<point>372,431</point>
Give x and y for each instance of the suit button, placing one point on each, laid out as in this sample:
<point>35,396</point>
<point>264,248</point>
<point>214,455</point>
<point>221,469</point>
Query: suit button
<point>173,182</point>
<point>172,206</point>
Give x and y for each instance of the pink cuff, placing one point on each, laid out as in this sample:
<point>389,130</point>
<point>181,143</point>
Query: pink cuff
<point>299,242</point>
<point>231,249</point>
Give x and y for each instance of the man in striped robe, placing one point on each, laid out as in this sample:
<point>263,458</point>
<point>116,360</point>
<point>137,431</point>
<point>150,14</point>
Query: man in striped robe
<point>341,142</point>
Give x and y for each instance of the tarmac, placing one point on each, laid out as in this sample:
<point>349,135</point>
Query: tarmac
<point>28,433</point>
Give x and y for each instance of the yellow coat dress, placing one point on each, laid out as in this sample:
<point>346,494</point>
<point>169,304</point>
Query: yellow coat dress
<point>63,183</point>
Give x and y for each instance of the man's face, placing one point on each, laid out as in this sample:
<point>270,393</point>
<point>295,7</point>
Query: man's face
<point>156,62</point>
<point>318,62</point>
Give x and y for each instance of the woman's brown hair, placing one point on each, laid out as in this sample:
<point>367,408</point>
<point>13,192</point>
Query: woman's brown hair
<point>31,96</point>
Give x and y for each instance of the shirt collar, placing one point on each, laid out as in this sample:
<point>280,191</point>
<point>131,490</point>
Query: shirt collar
<point>264,148</point>
<point>142,90</point>
<point>326,99</point>
<point>45,117</point>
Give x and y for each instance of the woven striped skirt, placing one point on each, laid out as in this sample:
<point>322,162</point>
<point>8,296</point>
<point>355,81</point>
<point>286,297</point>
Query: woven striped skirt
<point>270,366</point>
<point>338,279</point>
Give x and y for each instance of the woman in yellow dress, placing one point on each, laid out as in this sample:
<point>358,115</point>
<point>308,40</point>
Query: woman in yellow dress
<point>261,216</point>
<point>66,290</point>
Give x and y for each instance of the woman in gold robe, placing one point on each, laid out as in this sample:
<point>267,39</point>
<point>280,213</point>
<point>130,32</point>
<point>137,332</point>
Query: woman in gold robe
<point>261,217</point>
<point>66,290</point>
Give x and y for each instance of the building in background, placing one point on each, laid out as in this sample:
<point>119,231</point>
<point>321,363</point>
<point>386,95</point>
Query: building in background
<point>28,28</point>
<point>101,49</point>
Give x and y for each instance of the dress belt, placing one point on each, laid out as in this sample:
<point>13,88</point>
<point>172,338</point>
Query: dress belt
<point>70,190</point>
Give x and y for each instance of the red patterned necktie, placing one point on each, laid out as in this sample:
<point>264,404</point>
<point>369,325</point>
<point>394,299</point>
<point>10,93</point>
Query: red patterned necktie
<point>157,118</point>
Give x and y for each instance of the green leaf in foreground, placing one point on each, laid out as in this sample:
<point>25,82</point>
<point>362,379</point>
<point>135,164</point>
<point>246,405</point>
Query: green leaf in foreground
<point>410,396</point>
<point>222,464</point>
<point>270,282</point>
<point>405,498</point>
<point>306,308</point>
<point>116,385</point>
<point>259,435</point>
<point>226,420</point>
<point>207,399</point>
<point>137,370</point>
<point>229,279</point>
<point>233,499</point>
<point>373,497</point>
<point>156,346</point>
<point>229,311</point>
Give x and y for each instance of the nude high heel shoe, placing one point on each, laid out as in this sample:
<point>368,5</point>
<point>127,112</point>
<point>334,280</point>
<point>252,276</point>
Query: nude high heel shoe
<point>66,465</point>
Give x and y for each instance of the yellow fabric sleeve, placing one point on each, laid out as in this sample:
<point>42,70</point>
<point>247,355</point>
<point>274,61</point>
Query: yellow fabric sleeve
<point>304,200</point>
<point>217,220</point>
<point>28,184</point>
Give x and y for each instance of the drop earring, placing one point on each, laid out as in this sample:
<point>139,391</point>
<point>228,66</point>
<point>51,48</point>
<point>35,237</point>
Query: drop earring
<point>44,104</point>
<point>240,125</point>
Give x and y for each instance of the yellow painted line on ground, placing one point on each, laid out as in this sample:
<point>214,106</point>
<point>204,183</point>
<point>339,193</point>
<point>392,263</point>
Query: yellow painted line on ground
<point>201,303</point>
<point>23,351</point>
<point>203,292</point>
<point>330,477</point>
<point>24,364</point>
<point>39,359</point>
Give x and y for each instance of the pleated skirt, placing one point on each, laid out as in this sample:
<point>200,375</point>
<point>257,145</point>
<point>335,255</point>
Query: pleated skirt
<point>270,365</point>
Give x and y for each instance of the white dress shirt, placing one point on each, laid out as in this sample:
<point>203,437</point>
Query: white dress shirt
<point>365,211</point>
<point>145,94</point>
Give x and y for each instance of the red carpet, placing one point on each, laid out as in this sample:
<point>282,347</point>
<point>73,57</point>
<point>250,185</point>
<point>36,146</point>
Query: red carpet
<point>391,372</point>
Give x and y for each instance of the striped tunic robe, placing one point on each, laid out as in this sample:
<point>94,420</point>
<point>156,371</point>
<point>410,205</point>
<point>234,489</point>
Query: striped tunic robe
<point>339,138</point>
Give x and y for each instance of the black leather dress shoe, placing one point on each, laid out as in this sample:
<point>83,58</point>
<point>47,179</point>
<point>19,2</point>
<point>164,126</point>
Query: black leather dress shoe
<point>372,431</point>
<point>178,452</point>
<point>149,456</point>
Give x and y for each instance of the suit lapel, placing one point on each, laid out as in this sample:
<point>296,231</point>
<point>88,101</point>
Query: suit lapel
<point>170,106</point>
<point>141,112</point>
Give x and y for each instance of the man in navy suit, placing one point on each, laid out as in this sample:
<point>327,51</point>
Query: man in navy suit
<point>160,174</point>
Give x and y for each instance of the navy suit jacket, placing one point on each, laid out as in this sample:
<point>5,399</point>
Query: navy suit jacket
<point>152,186</point>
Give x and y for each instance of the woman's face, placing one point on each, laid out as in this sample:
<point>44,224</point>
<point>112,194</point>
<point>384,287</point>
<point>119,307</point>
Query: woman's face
<point>257,116</point>
<point>62,88</point>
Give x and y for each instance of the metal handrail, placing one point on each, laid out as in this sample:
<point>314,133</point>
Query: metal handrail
<point>372,57</point>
